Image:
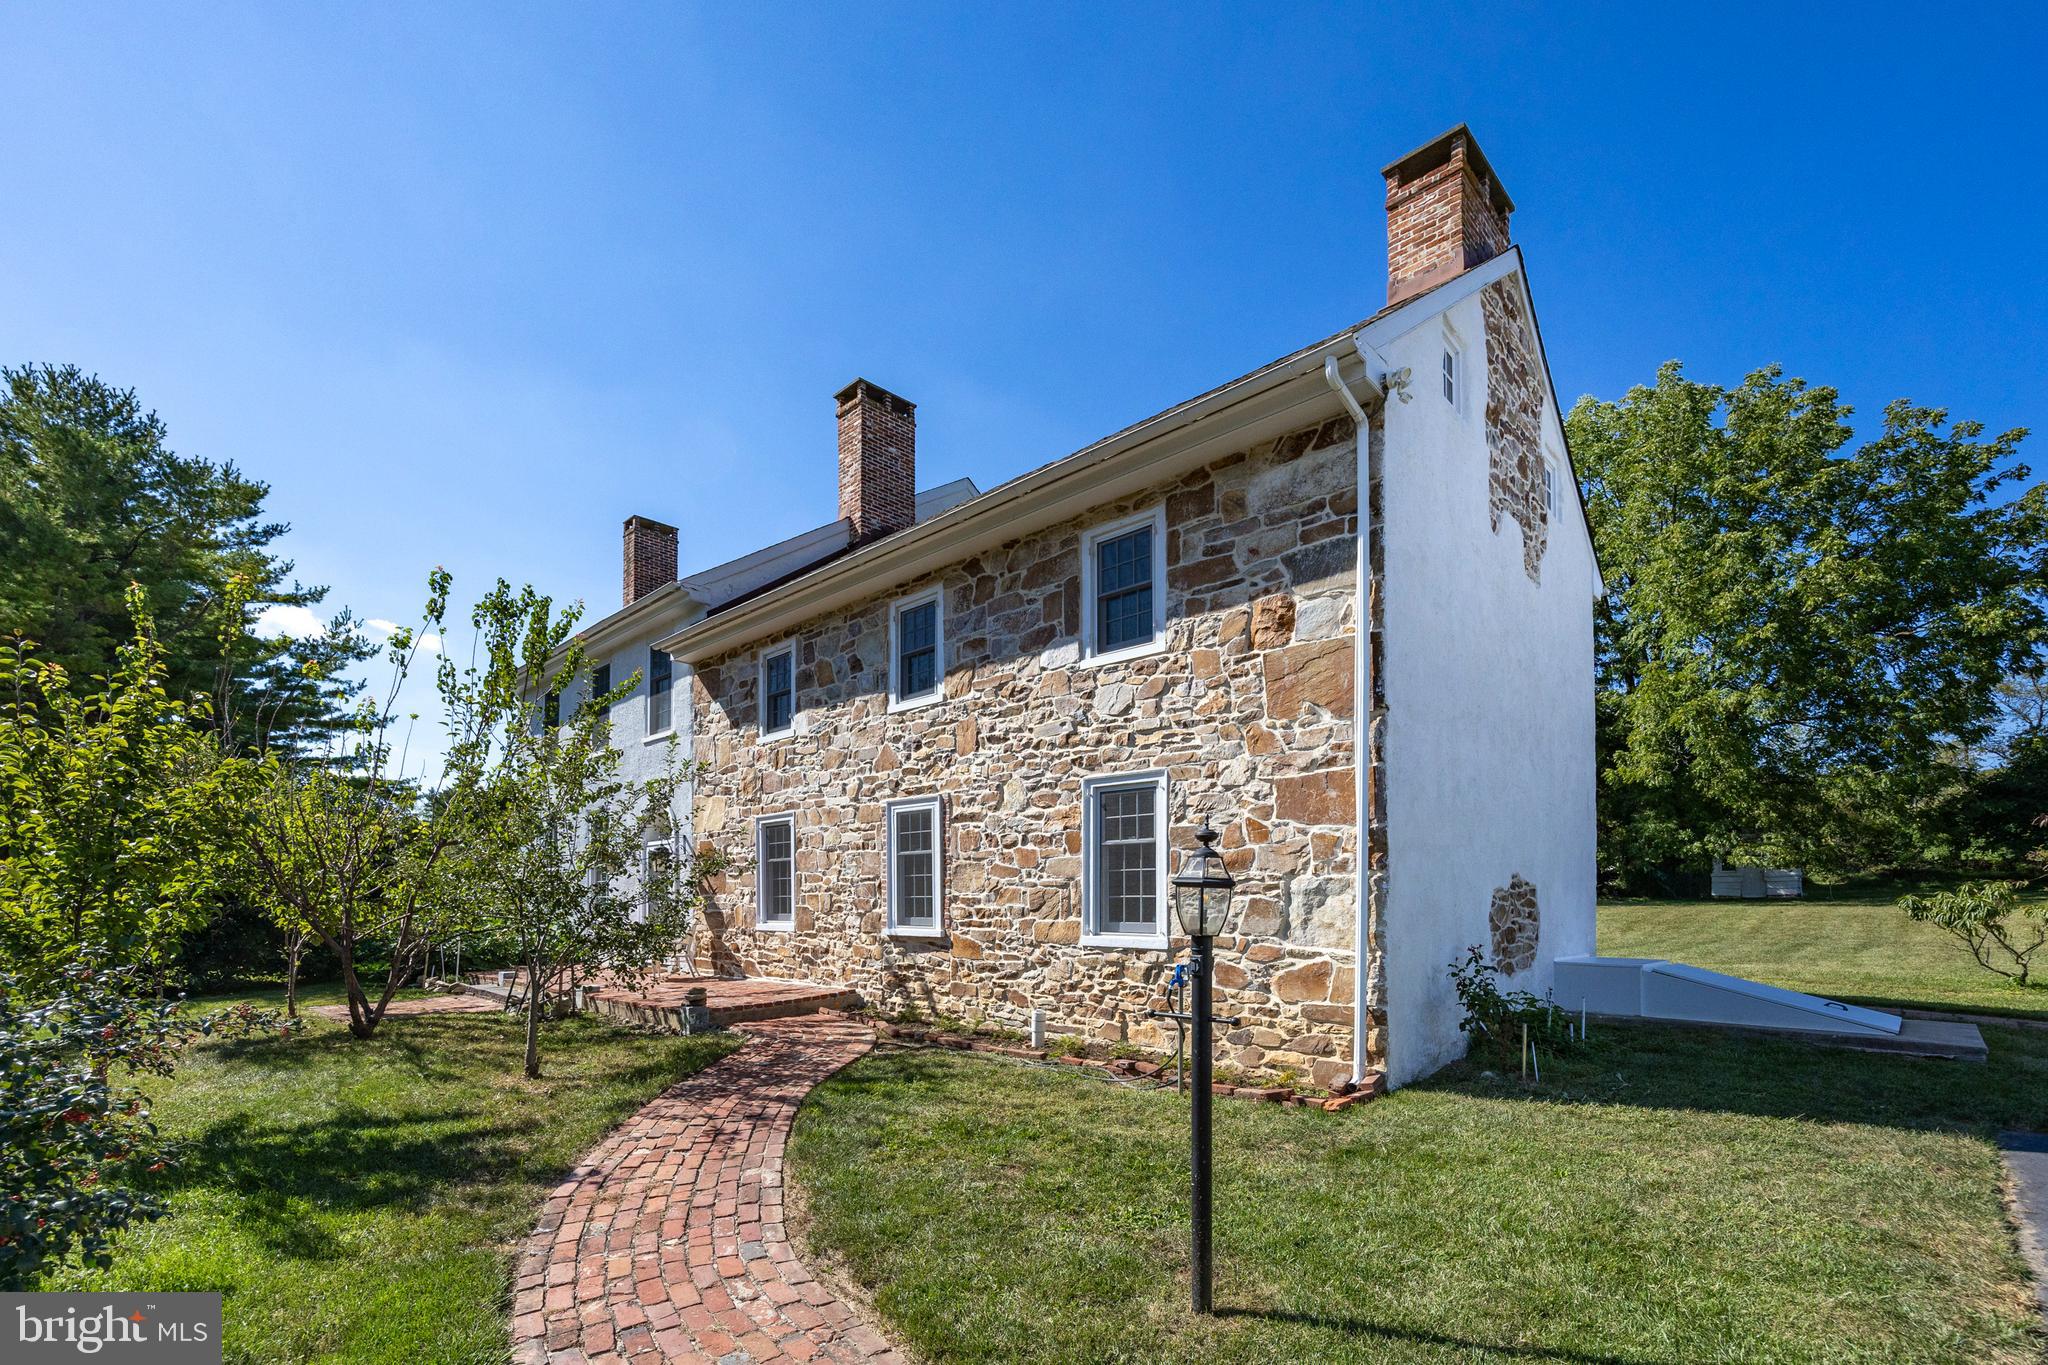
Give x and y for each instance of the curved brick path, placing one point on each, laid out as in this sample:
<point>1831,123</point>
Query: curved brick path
<point>667,1243</point>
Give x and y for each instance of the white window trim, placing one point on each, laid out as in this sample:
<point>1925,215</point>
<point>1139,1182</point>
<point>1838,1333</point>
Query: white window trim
<point>761,691</point>
<point>1091,788</point>
<point>1461,370</point>
<point>654,736</point>
<point>1154,516</point>
<point>647,852</point>
<point>761,922</point>
<point>1551,483</point>
<point>936,806</point>
<point>898,702</point>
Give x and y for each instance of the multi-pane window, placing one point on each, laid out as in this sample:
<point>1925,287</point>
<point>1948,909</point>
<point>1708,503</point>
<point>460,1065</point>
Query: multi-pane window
<point>600,684</point>
<point>775,863</point>
<point>919,657</point>
<point>1550,489</point>
<point>1126,851</point>
<point>778,691</point>
<point>551,710</point>
<point>914,867</point>
<point>1123,590</point>
<point>656,879</point>
<point>1450,376</point>
<point>660,692</point>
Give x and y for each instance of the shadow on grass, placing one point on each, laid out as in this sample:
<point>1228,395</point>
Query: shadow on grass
<point>1361,1328</point>
<point>1698,1069</point>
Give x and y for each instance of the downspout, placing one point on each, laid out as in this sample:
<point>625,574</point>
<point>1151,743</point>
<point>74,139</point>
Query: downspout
<point>1361,706</point>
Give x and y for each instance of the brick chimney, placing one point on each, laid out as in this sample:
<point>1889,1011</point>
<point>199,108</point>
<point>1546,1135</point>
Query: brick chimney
<point>877,460</point>
<point>650,557</point>
<point>1445,214</point>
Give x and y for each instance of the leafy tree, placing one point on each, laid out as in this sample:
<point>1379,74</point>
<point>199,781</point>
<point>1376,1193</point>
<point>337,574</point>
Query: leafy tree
<point>554,865</point>
<point>355,859</point>
<point>74,1140</point>
<point>116,810</point>
<point>1799,632</point>
<point>1988,917</point>
<point>92,500</point>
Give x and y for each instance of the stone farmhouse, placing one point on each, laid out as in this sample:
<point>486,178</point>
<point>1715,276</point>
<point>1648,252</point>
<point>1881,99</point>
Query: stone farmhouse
<point>1342,607</point>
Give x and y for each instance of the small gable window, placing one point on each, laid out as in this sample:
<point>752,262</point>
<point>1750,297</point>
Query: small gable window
<point>1549,489</point>
<point>1451,376</point>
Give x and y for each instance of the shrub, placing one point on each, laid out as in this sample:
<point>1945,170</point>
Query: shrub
<point>2001,933</point>
<point>74,1141</point>
<point>1494,1018</point>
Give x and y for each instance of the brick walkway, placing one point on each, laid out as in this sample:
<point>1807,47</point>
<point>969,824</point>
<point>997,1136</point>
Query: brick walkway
<point>667,1242</point>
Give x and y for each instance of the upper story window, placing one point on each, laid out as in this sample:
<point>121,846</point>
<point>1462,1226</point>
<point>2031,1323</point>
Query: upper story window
<point>661,681</point>
<point>915,876</point>
<point>917,650</point>
<point>1123,854</point>
<point>1549,488</point>
<point>1451,376</point>
<point>1123,586</point>
<point>551,710</point>
<point>600,684</point>
<point>775,876</point>
<point>778,691</point>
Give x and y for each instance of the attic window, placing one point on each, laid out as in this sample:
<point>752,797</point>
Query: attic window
<point>1549,489</point>
<point>1451,376</point>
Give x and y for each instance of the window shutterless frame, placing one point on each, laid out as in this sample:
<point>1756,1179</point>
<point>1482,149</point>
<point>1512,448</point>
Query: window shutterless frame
<point>915,868</point>
<point>1123,587</point>
<point>1124,871</point>
<point>917,649</point>
<point>775,873</point>
<point>776,687</point>
<point>661,688</point>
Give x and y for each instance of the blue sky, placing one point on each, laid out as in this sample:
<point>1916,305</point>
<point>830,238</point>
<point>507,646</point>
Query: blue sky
<point>469,285</point>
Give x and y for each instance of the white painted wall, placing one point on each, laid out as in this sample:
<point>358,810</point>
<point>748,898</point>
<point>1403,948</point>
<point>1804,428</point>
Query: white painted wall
<point>641,751</point>
<point>1489,687</point>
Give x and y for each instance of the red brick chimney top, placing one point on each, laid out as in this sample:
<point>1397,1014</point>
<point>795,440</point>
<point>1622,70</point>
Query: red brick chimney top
<point>1446,212</point>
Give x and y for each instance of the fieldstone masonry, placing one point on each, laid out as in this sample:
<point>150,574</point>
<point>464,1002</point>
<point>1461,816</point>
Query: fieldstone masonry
<point>1515,921</point>
<point>1248,708</point>
<point>1514,421</point>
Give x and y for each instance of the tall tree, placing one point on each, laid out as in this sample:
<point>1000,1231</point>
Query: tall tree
<point>93,499</point>
<point>1799,632</point>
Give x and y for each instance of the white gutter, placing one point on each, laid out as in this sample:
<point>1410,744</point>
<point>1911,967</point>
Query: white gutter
<point>1361,698</point>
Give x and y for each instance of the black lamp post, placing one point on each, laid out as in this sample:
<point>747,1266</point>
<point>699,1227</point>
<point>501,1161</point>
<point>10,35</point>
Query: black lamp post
<point>1201,901</point>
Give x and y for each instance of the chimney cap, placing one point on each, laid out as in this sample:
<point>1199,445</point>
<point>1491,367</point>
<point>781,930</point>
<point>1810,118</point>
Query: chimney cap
<point>1438,150</point>
<point>877,393</point>
<point>649,523</point>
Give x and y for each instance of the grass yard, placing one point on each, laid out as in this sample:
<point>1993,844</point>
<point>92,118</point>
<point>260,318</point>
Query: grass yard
<point>360,1202</point>
<point>1851,948</point>
<point>1668,1196</point>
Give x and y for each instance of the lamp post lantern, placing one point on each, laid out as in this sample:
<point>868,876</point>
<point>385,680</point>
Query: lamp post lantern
<point>1202,901</point>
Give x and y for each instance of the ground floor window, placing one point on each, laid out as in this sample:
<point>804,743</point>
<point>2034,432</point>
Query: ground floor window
<point>1124,861</point>
<point>775,874</point>
<point>916,874</point>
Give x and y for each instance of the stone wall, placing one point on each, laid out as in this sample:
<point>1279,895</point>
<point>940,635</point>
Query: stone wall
<point>1514,421</point>
<point>1248,708</point>
<point>1514,922</point>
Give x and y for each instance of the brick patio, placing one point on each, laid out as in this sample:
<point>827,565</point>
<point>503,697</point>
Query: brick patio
<point>667,1242</point>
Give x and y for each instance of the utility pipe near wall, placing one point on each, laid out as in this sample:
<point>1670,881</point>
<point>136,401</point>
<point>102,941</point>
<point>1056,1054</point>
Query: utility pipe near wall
<point>1361,703</point>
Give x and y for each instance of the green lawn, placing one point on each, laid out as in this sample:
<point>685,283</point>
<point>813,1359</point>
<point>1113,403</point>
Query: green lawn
<point>361,1202</point>
<point>1853,948</point>
<point>1672,1195</point>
